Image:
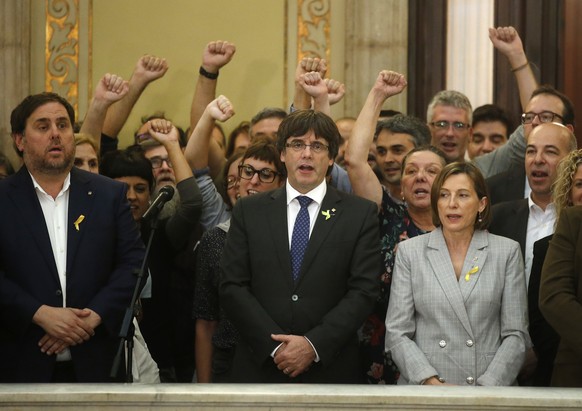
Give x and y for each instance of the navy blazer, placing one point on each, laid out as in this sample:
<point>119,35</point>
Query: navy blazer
<point>336,291</point>
<point>103,250</point>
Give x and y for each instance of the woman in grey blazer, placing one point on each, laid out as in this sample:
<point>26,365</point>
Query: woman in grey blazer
<point>458,304</point>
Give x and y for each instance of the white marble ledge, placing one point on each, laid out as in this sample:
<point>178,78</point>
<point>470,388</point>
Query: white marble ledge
<point>282,397</point>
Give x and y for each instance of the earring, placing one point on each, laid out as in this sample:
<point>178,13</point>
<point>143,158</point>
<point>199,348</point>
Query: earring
<point>479,218</point>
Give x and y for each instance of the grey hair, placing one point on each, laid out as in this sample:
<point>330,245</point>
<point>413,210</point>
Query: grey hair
<point>450,98</point>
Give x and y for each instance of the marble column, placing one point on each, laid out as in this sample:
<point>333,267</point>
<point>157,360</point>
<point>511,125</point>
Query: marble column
<point>376,39</point>
<point>15,63</point>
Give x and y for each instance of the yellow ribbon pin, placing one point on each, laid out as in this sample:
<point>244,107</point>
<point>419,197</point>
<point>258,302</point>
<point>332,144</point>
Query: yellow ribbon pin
<point>79,221</point>
<point>471,271</point>
<point>328,214</point>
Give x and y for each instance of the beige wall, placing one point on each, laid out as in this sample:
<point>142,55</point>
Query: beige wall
<point>178,30</point>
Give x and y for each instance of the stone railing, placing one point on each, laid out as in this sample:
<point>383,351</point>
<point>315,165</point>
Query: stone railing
<point>88,397</point>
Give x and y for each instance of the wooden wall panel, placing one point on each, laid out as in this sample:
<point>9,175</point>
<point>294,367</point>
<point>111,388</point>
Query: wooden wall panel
<point>427,53</point>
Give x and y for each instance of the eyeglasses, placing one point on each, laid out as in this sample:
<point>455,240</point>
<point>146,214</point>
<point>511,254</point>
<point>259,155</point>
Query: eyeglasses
<point>444,125</point>
<point>157,162</point>
<point>266,175</point>
<point>543,117</point>
<point>316,146</point>
<point>231,181</point>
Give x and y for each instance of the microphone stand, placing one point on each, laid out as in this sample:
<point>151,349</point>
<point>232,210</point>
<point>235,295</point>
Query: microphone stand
<point>127,329</point>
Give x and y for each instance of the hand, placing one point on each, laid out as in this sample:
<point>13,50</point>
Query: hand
<point>150,68</point>
<point>313,84</point>
<point>335,90</point>
<point>65,324</point>
<point>163,131</point>
<point>111,88</point>
<point>389,83</point>
<point>506,40</point>
<point>217,54</point>
<point>295,355</point>
<point>435,381</point>
<point>220,108</point>
<point>52,345</point>
<point>309,64</point>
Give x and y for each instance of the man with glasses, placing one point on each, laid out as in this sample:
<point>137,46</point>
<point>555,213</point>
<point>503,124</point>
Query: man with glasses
<point>300,265</point>
<point>547,105</point>
<point>449,116</point>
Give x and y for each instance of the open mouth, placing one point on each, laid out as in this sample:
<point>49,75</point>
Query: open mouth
<point>449,145</point>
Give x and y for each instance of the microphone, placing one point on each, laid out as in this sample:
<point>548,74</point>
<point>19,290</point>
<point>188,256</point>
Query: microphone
<point>166,193</point>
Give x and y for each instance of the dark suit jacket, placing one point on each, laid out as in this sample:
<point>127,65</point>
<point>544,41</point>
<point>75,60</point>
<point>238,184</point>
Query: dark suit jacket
<point>561,296</point>
<point>507,186</point>
<point>101,256</point>
<point>510,220</point>
<point>544,337</point>
<point>337,288</point>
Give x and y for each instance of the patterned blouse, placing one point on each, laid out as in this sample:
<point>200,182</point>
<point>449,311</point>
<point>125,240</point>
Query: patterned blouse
<point>395,226</point>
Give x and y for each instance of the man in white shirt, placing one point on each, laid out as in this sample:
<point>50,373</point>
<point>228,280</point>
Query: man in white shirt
<point>68,249</point>
<point>300,266</point>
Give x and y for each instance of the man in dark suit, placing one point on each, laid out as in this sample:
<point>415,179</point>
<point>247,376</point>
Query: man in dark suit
<point>68,247</point>
<point>298,316</point>
<point>530,219</point>
<point>547,105</point>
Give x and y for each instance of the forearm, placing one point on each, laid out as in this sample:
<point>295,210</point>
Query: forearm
<point>94,120</point>
<point>119,112</point>
<point>182,224</point>
<point>214,210</point>
<point>503,158</point>
<point>321,104</point>
<point>363,131</point>
<point>203,94</point>
<point>198,148</point>
<point>204,350</point>
<point>301,100</point>
<point>526,81</point>
<point>181,168</point>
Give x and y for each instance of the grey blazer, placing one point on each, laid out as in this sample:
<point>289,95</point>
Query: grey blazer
<point>466,332</point>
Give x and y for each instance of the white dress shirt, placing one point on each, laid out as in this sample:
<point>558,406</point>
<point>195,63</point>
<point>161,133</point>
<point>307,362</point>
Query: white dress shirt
<point>55,213</point>
<point>540,224</point>
<point>293,207</point>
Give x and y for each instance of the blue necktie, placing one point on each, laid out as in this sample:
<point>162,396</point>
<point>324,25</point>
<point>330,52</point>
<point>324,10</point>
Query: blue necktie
<point>300,236</point>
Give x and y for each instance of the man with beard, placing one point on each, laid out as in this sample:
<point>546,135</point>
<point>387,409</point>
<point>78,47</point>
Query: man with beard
<point>68,249</point>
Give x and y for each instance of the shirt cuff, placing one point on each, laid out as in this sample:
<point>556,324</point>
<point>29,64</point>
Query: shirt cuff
<point>314,350</point>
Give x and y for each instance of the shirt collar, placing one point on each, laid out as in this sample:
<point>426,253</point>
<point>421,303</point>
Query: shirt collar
<point>316,194</point>
<point>535,207</point>
<point>66,184</point>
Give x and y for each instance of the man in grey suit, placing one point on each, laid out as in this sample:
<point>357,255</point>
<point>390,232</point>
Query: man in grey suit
<point>298,312</point>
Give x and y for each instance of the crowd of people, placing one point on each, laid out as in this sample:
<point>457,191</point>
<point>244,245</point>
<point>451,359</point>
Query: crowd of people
<point>382,249</point>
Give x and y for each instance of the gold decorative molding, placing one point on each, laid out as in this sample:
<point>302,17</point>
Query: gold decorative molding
<point>313,29</point>
<point>62,49</point>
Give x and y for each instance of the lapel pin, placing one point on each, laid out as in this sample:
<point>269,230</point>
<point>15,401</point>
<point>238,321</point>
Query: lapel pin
<point>328,214</point>
<point>90,193</point>
<point>78,221</point>
<point>470,272</point>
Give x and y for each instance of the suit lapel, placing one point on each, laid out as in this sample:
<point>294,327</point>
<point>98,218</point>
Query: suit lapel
<point>521,216</point>
<point>80,204</point>
<point>322,228</point>
<point>277,220</point>
<point>440,261</point>
<point>31,216</point>
<point>474,262</point>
